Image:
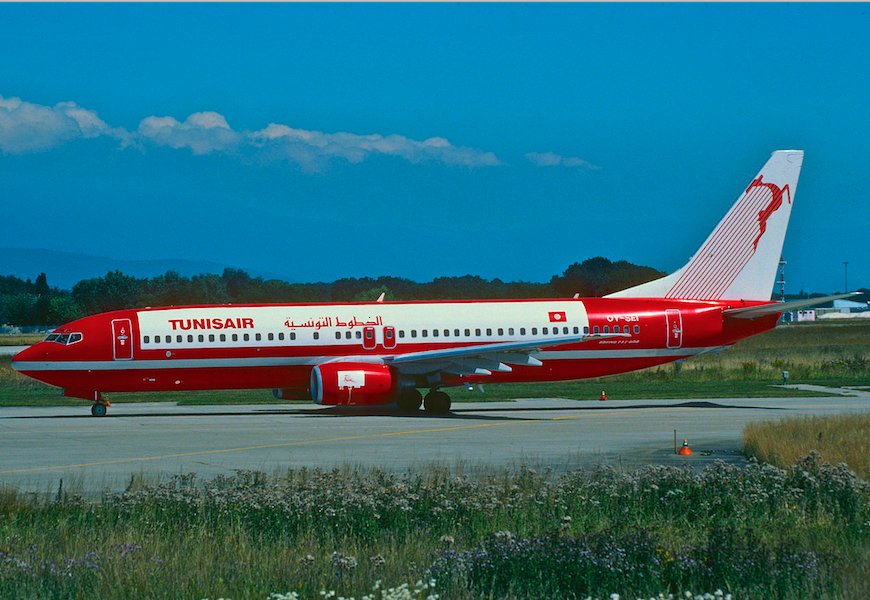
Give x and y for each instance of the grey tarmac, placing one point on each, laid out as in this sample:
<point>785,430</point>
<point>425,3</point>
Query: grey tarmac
<point>39,447</point>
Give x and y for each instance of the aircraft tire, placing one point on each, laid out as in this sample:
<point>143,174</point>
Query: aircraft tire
<point>410,401</point>
<point>98,410</point>
<point>437,403</point>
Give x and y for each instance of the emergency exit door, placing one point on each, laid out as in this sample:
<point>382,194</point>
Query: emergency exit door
<point>122,334</point>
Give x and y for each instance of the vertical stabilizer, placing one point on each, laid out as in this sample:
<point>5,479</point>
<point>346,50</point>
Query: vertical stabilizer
<point>740,258</point>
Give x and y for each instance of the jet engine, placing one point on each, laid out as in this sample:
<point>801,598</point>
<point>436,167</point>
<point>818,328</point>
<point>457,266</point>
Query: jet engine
<point>342,383</point>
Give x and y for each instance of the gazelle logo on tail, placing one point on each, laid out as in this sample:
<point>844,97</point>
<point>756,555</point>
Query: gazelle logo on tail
<point>771,208</point>
<point>738,261</point>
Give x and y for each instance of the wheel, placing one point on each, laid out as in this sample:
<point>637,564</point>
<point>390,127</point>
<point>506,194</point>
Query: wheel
<point>98,410</point>
<point>410,401</point>
<point>437,403</point>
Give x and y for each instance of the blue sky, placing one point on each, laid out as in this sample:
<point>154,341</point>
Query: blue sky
<point>322,141</point>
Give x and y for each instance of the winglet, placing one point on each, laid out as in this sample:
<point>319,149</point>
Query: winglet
<point>740,258</point>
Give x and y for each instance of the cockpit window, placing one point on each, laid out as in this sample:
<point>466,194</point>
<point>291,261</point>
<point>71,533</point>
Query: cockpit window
<point>64,338</point>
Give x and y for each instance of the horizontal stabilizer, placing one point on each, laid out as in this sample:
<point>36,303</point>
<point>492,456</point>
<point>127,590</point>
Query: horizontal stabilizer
<point>753,312</point>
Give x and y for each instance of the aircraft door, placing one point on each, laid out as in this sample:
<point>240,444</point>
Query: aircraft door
<point>122,337</point>
<point>389,337</point>
<point>369,341</point>
<point>675,328</point>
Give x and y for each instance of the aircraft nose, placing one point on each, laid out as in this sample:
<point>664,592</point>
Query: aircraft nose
<point>33,353</point>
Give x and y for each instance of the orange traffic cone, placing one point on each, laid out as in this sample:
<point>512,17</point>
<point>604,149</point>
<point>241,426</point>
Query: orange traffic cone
<point>685,451</point>
<point>603,396</point>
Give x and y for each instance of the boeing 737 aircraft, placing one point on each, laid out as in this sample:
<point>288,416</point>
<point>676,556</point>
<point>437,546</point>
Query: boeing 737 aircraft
<point>383,352</point>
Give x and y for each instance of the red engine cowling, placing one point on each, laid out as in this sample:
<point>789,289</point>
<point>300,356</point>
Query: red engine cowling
<point>342,383</point>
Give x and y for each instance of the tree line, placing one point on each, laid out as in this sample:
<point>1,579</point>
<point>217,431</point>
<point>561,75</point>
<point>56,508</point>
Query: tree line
<point>35,303</point>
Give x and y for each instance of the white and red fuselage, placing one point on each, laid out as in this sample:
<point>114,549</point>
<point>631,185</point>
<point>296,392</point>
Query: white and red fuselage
<point>276,346</point>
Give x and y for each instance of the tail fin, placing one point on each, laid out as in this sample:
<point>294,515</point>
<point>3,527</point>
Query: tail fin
<point>740,258</point>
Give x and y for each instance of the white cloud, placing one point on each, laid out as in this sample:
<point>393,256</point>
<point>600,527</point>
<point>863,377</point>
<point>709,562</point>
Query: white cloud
<point>202,133</point>
<point>27,127</point>
<point>550,159</point>
<point>313,148</point>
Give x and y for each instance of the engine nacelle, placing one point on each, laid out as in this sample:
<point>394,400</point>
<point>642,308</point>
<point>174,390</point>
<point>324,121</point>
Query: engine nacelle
<point>343,383</point>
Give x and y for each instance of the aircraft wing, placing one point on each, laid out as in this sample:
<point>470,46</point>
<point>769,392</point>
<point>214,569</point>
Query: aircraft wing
<point>753,312</point>
<point>483,359</point>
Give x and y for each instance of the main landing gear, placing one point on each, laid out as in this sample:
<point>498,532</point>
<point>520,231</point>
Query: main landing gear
<point>435,403</point>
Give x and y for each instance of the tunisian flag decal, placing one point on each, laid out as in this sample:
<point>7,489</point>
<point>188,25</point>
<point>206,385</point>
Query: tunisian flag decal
<point>558,317</point>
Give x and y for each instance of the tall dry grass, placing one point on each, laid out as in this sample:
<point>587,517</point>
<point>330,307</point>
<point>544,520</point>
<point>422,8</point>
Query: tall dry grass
<point>837,439</point>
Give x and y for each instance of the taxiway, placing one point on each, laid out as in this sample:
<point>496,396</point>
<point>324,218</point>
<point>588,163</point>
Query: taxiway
<point>40,446</point>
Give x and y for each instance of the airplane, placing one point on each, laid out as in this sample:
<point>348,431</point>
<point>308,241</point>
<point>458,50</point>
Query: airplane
<point>380,353</point>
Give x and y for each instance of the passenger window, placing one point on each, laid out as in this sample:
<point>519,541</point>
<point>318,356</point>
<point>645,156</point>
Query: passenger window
<point>455,333</point>
<point>370,335</point>
<point>178,338</point>
<point>316,335</point>
<point>145,339</point>
<point>223,337</point>
<point>522,331</point>
<point>211,337</point>
<point>292,336</point>
<point>434,333</point>
<point>235,337</point>
<point>258,337</point>
<point>401,333</point>
<point>190,338</point>
<point>425,333</point>
<point>595,329</point>
<point>467,333</point>
<point>338,335</point>
<point>576,330</point>
<point>534,331</point>
<point>607,329</point>
<point>565,330</point>
<point>510,330</point>
<point>413,333</point>
<point>201,337</point>
<point>585,329</point>
<point>271,337</point>
<point>348,335</point>
<point>637,328</point>
<point>545,330</point>
<point>477,332</point>
<point>500,331</point>
<point>359,335</point>
<point>246,337</point>
<point>488,331</point>
<point>388,334</point>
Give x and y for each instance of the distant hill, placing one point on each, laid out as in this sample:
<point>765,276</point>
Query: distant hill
<point>65,269</point>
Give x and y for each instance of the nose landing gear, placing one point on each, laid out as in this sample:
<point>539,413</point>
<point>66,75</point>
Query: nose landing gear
<point>100,407</point>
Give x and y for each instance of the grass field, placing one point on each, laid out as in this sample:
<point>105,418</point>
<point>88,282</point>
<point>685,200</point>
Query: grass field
<point>834,354</point>
<point>837,439</point>
<point>755,532</point>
